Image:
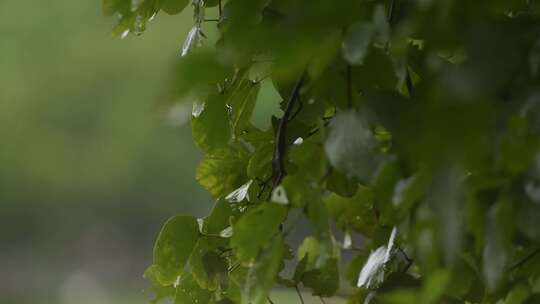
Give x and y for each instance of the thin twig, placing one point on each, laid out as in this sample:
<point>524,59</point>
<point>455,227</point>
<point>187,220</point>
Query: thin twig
<point>278,158</point>
<point>300,107</point>
<point>322,300</point>
<point>270,300</point>
<point>299,294</point>
<point>525,259</point>
<point>391,11</point>
<point>408,81</point>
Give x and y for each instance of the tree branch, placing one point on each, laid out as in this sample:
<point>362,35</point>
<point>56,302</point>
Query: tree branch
<point>525,259</point>
<point>278,158</point>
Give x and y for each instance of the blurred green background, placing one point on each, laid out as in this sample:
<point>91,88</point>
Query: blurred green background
<point>91,165</point>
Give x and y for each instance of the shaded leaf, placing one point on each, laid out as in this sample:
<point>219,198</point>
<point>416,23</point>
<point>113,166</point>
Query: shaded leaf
<point>255,230</point>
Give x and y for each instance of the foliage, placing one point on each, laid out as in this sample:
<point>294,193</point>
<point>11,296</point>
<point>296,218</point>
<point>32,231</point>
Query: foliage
<point>412,123</point>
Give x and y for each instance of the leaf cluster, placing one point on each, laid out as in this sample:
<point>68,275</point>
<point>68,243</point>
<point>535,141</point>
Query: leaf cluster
<point>409,141</point>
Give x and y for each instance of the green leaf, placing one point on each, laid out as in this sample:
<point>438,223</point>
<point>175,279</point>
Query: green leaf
<point>401,296</point>
<point>211,130</point>
<point>160,292</point>
<point>242,100</point>
<point>223,171</point>
<point>263,273</point>
<point>341,185</point>
<point>188,291</point>
<point>319,218</point>
<point>356,212</point>
<point>218,219</point>
<point>324,281</point>
<point>174,246</point>
<point>352,153</point>
<point>518,295</point>
<point>254,231</point>
<point>435,286</point>
<point>206,264</point>
<point>173,7</point>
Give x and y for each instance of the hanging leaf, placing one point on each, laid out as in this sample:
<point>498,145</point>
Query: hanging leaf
<point>173,248</point>
<point>255,230</point>
<point>210,126</point>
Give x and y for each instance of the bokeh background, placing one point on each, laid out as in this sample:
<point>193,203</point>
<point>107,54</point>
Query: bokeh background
<point>91,164</point>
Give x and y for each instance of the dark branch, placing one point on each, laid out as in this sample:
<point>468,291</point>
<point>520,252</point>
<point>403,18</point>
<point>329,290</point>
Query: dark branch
<point>270,300</point>
<point>278,158</point>
<point>525,259</point>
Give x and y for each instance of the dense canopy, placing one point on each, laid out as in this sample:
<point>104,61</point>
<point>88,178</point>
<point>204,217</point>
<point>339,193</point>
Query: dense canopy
<point>408,138</point>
